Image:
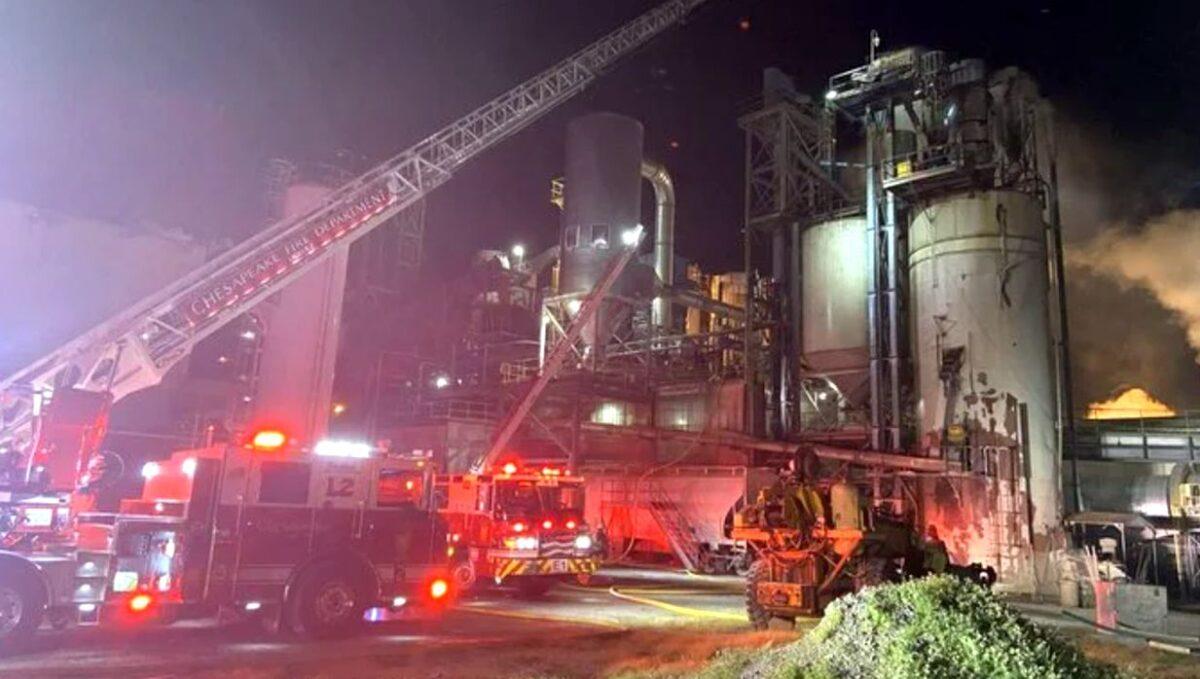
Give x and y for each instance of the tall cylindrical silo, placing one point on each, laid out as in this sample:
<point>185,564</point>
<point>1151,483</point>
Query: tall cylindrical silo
<point>981,341</point>
<point>299,349</point>
<point>603,195</point>
<point>833,303</point>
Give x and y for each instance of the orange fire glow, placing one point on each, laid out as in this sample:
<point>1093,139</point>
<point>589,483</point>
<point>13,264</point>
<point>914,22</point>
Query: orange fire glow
<point>1131,404</point>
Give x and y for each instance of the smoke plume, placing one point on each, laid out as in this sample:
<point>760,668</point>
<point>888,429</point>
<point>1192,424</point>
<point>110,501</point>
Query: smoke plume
<point>1112,190</point>
<point>1163,257</point>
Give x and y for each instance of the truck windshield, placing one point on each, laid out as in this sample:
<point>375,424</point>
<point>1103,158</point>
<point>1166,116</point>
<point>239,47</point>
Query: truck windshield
<point>526,498</point>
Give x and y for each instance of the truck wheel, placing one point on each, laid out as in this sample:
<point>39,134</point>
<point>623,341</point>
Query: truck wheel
<point>329,602</point>
<point>21,610</point>
<point>464,576</point>
<point>760,571</point>
<point>534,587</point>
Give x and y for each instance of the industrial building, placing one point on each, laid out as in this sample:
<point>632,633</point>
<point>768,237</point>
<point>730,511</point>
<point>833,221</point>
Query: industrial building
<point>899,321</point>
<point>899,315</point>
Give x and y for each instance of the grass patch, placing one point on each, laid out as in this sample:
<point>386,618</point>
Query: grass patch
<point>937,627</point>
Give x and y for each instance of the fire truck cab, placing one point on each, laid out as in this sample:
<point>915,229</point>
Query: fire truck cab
<point>521,525</point>
<point>311,541</point>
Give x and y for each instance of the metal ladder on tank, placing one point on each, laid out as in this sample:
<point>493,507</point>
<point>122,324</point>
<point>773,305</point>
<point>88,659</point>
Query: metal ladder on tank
<point>679,531</point>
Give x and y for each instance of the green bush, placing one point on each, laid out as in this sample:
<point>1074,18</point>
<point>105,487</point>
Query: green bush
<point>934,627</point>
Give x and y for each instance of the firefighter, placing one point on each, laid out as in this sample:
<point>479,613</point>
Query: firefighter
<point>103,470</point>
<point>936,558</point>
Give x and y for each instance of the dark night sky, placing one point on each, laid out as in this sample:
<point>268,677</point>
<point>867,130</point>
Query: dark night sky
<point>165,110</point>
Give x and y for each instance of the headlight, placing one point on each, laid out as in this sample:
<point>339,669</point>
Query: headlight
<point>522,542</point>
<point>583,542</point>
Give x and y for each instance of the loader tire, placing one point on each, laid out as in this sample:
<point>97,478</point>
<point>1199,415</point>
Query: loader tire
<point>759,571</point>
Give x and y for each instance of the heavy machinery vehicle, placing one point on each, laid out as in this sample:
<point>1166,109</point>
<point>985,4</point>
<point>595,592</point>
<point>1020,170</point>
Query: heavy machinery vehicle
<point>44,462</point>
<point>307,540</point>
<point>520,525</point>
<point>813,542</point>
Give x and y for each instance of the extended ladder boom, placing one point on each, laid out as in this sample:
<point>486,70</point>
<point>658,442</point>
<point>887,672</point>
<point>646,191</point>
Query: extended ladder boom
<point>136,348</point>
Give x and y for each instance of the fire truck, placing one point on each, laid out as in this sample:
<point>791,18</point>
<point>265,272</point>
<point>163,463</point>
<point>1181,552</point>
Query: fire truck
<point>310,541</point>
<point>208,544</point>
<point>521,525</point>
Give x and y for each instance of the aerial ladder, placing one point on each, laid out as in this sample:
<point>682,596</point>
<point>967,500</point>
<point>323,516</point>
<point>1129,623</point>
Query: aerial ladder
<point>136,348</point>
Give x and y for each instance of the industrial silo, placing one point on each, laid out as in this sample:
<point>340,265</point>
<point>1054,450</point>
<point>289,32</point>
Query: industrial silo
<point>300,345</point>
<point>603,199</point>
<point>981,340</point>
<point>603,195</point>
<point>834,318</point>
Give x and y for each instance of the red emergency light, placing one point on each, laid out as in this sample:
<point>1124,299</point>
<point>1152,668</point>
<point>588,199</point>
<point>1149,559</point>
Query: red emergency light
<point>140,603</point>
<point>438,589</point>
<point>268,440</point>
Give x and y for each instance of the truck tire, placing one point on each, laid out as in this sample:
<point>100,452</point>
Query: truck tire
<point>759,571</point>
<point>464,576</point>
<point>22,605</point>
<point>329,602</point>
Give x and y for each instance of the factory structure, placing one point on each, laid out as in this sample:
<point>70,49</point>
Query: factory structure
<point>899,318</point>
<point>899,323</point>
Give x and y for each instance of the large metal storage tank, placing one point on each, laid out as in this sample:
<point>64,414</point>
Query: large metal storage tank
<point>834,303</point>
<point>978,275</point>
<point>603,195</point>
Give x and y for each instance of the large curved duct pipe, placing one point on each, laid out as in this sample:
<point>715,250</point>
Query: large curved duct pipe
<point>664,237</point>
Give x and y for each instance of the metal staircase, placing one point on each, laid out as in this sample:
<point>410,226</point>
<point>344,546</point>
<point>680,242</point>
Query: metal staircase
<point>675,525</point>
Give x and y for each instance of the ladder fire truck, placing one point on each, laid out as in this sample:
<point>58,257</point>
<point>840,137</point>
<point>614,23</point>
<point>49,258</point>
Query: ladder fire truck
<point>48,437</point>
<point>309,539</point>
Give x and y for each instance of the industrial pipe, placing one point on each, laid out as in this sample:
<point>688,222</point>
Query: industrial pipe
<point>664,238</point>
<point>823,452</point>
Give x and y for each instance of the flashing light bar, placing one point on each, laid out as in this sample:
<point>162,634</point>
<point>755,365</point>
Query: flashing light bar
<point>351,449</point>
<point>524,543</point>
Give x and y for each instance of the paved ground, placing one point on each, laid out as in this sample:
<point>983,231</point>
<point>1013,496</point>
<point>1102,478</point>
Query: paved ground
<point>621,619</point>
<point>624,621</point>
